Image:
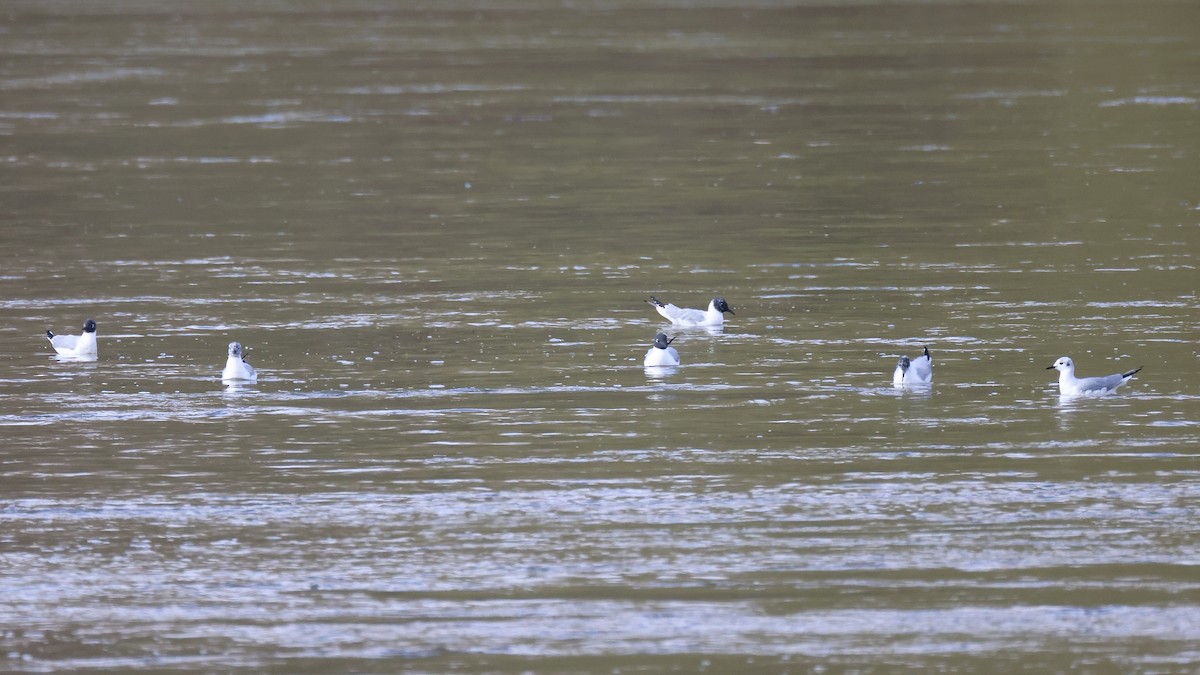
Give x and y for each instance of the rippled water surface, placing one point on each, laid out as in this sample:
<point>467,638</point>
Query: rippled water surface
<point>435,226</point>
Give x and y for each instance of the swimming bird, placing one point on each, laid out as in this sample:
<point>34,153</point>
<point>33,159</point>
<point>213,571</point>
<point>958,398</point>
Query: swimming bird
<point>236,367</point>
<point>713,316</point>
<point>76,346</point>
<point>662,353</point>
<point>1069,385</point>
<point>917,370</point>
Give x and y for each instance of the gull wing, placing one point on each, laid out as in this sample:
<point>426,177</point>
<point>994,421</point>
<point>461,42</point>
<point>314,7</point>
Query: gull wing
<point>921,369</point>
<point>681,315</point>
<point>64,343</point>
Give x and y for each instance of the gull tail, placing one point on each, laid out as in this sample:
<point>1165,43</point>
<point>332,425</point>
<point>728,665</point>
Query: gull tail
<point>655,301</point>
<point>1126,376</point>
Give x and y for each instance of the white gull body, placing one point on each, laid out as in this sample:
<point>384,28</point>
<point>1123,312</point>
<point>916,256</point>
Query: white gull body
<point>662,353</point>
<point>917,370</point>
<point>82,346</point>
<point>713,316</point>
<point>236,368</point>
<point>1069,385</point>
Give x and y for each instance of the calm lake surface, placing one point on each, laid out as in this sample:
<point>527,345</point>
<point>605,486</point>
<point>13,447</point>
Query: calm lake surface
<point>435,226</point>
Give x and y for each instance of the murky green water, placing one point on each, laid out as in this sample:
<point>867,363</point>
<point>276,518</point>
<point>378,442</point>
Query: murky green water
<point>436,226</point>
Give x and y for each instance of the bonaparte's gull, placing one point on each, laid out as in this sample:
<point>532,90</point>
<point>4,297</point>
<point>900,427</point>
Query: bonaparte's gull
<point>713,316</point>
<point>1069,385</point>
<point>76,346</point>
<point>917,370</point>
<point>236,367</point>
<point>662,353</point>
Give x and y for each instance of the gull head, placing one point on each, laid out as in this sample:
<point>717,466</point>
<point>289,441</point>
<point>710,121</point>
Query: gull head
<point>1063,365</point>
<point>89,326</point>
<point>235,349</point>
<point>661,341</point>
<point>903,364</point>
<point>722,306</point>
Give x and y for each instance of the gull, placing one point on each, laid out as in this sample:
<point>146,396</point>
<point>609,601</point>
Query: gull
<point>236,367</point>
<point>662,353</point>
<point>713,316</point>
<point>76,346</point>
<point>917,370</point>
<point>1069,385</point>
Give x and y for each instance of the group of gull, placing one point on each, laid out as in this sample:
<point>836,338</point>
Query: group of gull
<point>917,370</point>
<point>82,347</point>
<point>914,371</point>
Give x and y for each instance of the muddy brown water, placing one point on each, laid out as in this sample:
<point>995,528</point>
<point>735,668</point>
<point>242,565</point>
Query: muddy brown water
<point>435,227</point>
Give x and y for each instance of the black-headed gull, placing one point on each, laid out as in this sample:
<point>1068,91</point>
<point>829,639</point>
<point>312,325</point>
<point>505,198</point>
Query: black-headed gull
<point>236,367</point>
<point>76,346</point>
<point>713,316</point>
<point>917,370</point>
<point>662,353</point>
<point>1069,385</point>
